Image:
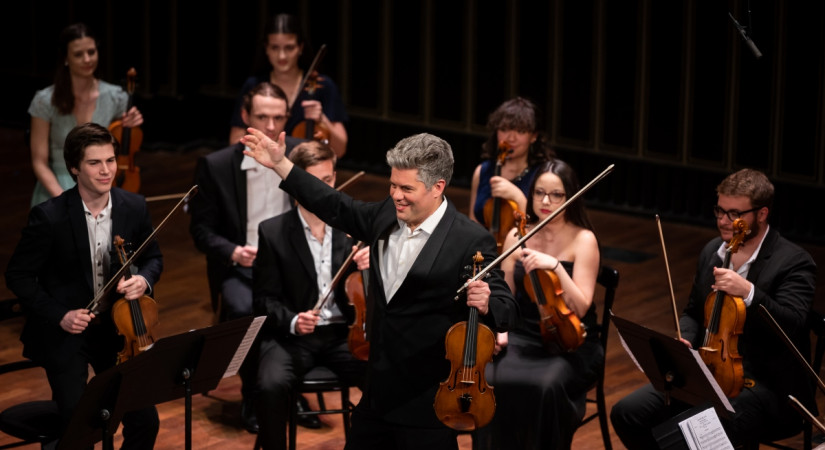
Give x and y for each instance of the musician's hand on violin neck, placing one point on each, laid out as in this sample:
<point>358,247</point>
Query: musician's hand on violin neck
<point>133,287</point>
<point>534,260</point>
<point>500,187</point>
<point>268,152</point>
<point>132,118</point>
<point>730,282</point>
<point>313,110</point>
<point>76,321</point>
<point>478,296</point>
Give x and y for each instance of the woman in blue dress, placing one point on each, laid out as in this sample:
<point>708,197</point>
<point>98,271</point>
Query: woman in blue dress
<point>515,123</point>
<point>540,390</point>
<point>76,97</point>
<point>286,50</point>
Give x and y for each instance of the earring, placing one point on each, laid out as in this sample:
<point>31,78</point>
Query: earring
<point>65,63</point>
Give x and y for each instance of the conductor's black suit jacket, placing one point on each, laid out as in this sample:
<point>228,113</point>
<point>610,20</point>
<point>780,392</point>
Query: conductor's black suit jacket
<point>51,269</point>
<point>407,354</point>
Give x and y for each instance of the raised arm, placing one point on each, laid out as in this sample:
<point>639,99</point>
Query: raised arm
<point>268,152</point>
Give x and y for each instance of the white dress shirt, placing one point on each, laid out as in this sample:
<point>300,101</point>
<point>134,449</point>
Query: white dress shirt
<point>398,253</point>
<point>264,199</point>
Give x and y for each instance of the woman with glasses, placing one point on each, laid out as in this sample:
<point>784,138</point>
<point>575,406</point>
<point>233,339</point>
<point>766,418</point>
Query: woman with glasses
<point>515,124</point>
<point>547,387</point>
<point>288,56</point>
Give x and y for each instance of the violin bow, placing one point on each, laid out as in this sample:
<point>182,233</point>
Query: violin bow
<point>482,273</point>
<point>325,295</point>
<point>322,300</point>
<point>312,67</point>
<point>794,402</point>
<point>669,280</point>
<point>113,280</point>
<point>767,315</point>
<point>351,179</point>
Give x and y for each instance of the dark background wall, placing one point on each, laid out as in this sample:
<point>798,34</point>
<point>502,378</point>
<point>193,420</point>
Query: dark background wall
<point>666,90</point>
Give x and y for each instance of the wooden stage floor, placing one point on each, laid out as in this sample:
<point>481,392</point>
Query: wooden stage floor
<point>631,244</point>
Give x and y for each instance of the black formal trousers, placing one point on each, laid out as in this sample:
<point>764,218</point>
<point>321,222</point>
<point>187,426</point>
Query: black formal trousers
<point>51,272</point>
<point>285,285</point>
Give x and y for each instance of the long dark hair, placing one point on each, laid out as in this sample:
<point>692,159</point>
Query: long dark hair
<point>283,23</point>
<point>522,115</point>
<point>575,212</point>
<point>63,98</point>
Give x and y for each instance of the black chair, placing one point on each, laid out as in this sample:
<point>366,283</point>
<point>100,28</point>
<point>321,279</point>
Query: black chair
<point>318,380</point>
<point>816,323</point>
<point>34,421</point>
<point>609,280</point>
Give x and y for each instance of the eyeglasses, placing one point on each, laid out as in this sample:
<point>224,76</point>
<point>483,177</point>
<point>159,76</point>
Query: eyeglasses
<point>555,196</point>
<point>732,214</point>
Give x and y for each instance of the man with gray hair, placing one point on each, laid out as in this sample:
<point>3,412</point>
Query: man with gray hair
<point>420,246</point>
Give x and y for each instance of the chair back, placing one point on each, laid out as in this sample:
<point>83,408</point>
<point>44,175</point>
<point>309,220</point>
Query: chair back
<point>32,421</point>
<point>609,279</point>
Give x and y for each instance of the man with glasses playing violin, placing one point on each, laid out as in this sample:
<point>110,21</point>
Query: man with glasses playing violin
<point>63,261</point>
<point>766,270</point>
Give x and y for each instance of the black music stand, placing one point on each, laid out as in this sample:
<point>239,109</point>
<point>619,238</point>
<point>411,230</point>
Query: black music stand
<point>672,367</point>
<point>177,366</point>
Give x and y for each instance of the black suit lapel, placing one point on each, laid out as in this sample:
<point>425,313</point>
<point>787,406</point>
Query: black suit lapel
<point>77,217</point>
<point>764,256</point>
<point>119,219</point>
<point>239,179</point>
<point>298,241</point>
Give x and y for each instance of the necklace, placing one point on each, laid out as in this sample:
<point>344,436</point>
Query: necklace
<point>521,175</point>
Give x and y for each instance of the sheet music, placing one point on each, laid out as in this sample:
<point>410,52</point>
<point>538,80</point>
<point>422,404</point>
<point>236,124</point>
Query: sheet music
<point>630,353</point>
<point>709,376</point>
<point>704,431</point>
<point>243,349</point>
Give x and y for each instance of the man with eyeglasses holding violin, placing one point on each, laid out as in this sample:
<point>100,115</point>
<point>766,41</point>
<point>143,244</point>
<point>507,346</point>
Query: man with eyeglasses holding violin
<point>766,270</point>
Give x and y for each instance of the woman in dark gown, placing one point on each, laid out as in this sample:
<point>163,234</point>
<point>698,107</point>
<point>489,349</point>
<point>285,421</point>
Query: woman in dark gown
<point>540,393</point>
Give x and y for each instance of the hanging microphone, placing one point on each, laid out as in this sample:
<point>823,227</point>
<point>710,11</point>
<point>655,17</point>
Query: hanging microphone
<point>747,39</point>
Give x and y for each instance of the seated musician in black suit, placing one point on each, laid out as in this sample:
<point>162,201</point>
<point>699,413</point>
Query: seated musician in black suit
<point>235,195</point>
<point>766,270</point>
<point>61,263</point>
<point>298,258</point>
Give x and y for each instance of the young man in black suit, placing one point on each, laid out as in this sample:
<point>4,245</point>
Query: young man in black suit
<point>63,260</point>
<point>235,194</point>
<point>766,270</point>
<point>420,245</point>
<point>298,257</point>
